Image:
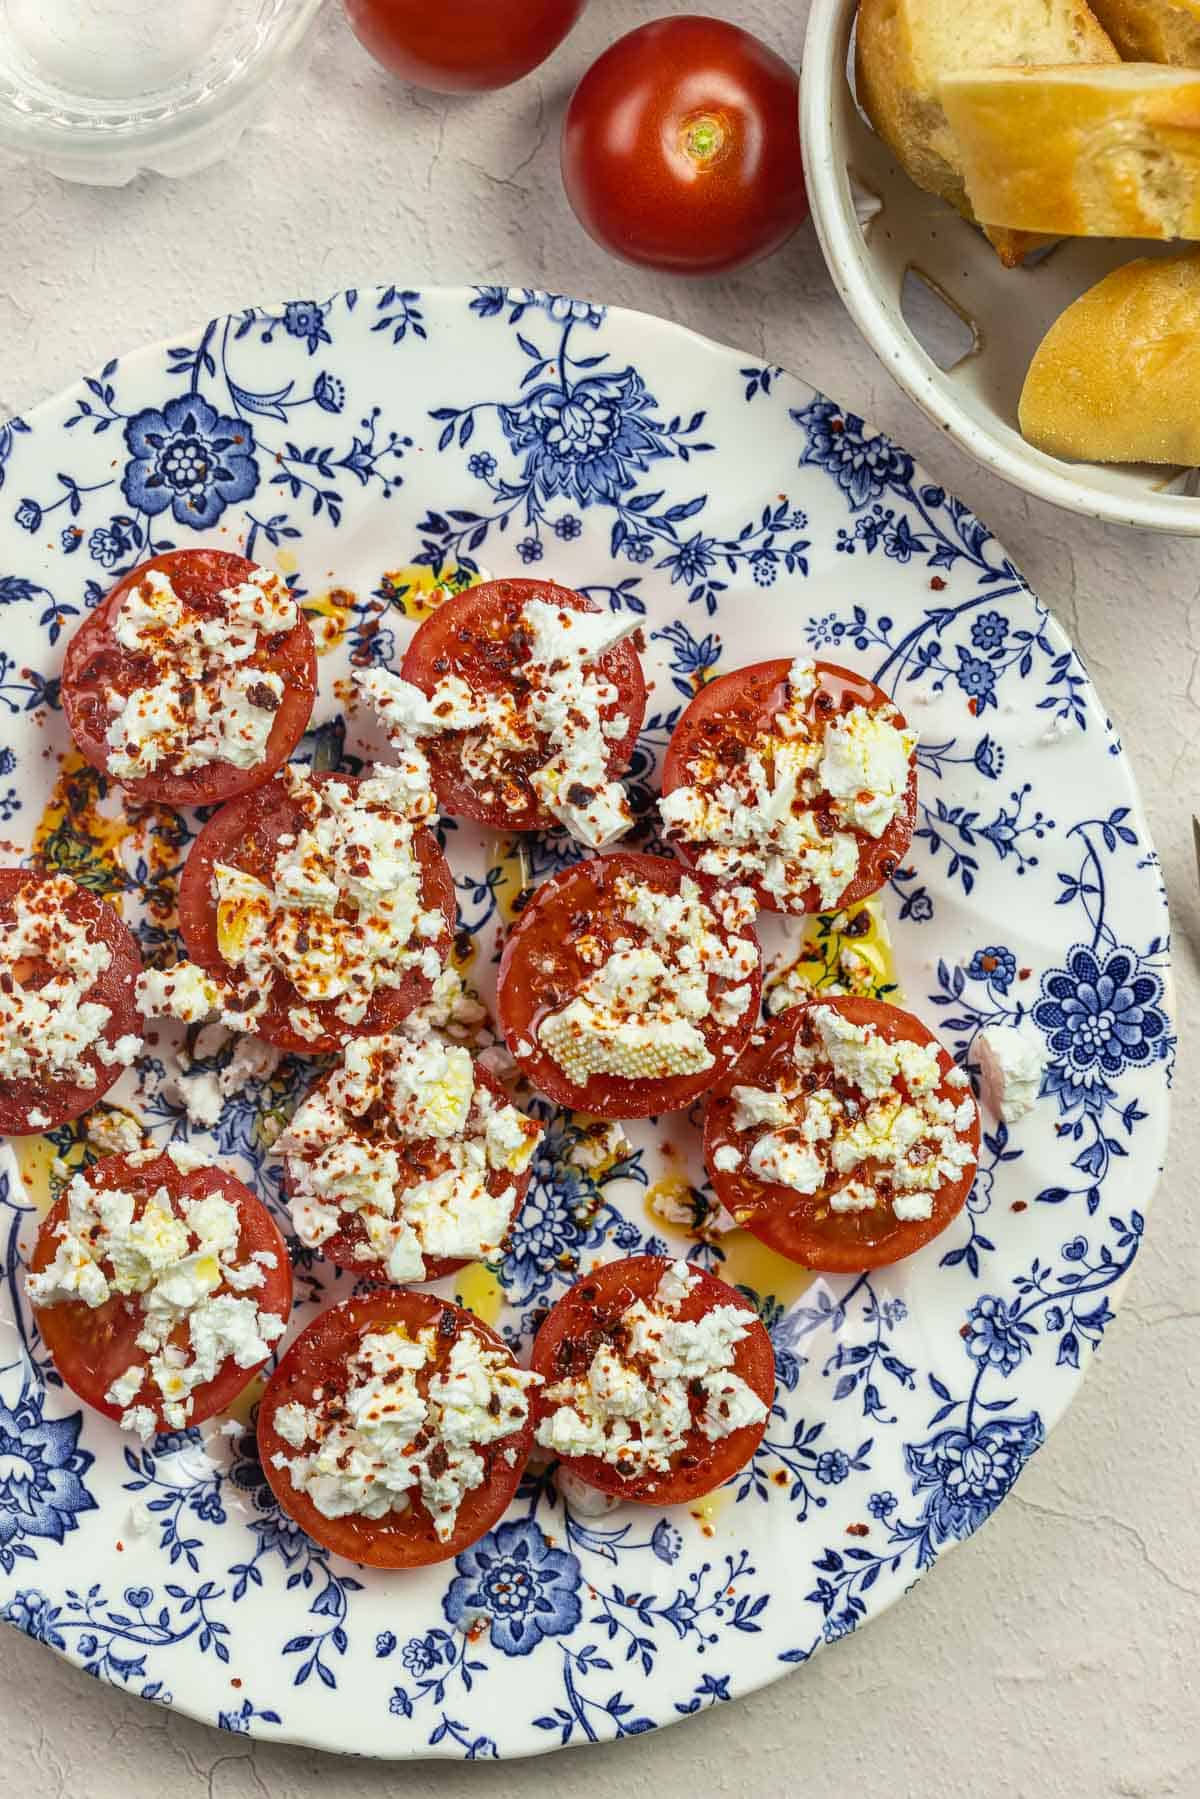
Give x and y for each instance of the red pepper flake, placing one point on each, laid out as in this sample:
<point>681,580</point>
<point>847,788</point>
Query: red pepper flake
<point>235,1682</point>
<point>1023,974</point>
<point>937,583</point>
<point>1019,1205</point>
<point>858,1530</point>
<point>973,707</point>
<point>964,1330</point>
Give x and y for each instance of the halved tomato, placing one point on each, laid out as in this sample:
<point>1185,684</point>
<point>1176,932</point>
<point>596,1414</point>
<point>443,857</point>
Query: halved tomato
<point>245,834</point>
<point>53,1102</point>
<point>803,1227</point>
<point>91,1347</point>
<point>97,665</point>
<point>423,1159</point>
<point>316,1364</point>
<point>569,929</point>
<point>589,1316</point>
<point>475,634</point>
<point>735,714</point>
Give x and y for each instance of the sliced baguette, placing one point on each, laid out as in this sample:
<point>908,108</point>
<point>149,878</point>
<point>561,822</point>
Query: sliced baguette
<point>1117,377</point>
<point>904,47</point>
<point>1079,152</point>
<point>1153,30</point>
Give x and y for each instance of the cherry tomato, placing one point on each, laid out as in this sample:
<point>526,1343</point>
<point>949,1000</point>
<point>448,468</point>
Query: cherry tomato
<point>91,1347</point>
<point>422,1161</point>
<point>462,46</point>
<point>737,711</point>
<point>804,1227</point>
<point>542,969</point>
<point>245,834</point>
<point>318,1359</point>
<point>56,1102</point>
<point>681,148</point>
<point>586,1317</point>
<point>472,635</point>
<point>97,665</point>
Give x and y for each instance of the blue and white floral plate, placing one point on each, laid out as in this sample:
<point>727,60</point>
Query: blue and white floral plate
<point>353,442</point>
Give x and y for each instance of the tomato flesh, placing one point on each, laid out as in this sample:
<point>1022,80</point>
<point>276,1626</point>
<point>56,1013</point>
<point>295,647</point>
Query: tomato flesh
<point>472,635</point>
<point>803,1227</point>
<point>541,969</point>
<point>58,1102</point>
<point>462,46</point>
<point>97,664</point>
<point>737,711</point>
<point>584,1319</point>
<point>318,1359</point>
<point>423,1160</point>
<point>91,1347</point>
<point>245,834</point>
<point>681,148</point>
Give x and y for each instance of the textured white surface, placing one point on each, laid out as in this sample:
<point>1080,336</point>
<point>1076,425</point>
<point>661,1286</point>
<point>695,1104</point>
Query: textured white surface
<point>1053,1655</point>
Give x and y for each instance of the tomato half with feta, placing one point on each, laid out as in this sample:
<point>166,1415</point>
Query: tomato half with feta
<point>69,1023</point>
<point>658,1380</point>
<point>629,985</point>
<point>537,728</point>
<point>845,1138</point>
<point>797,778</point>
<point>396,1429</point>
<point>405,1150</point>
<point>250,834</point>
<point>194,679</point>
<point>151,1246</point>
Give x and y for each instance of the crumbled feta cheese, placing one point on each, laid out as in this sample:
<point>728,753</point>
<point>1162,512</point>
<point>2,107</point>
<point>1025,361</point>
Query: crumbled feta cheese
<point>635,1407</point>
<point>1012,1061</point>
<point>341,916</point>
<point>880,1114</point>
<point>50,1030</point>
<point>407,1149</point>
<point>639,1015</point>
<point>207,702</point>
<point>391,1442</point>
<point>774,817</point>
<point>180,1260</point>
<point>558,711</point>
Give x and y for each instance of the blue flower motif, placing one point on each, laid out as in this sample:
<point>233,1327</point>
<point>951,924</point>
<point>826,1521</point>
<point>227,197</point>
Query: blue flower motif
<point>989,758</point>
<point>863,467</point>
<point>693,560</point>
<point>639,549</point>
<point>32,1613</point>
<point>329,392</point>
<point>481,465</point>
<point>107,544</point>
<point>206,1503</point>
<point>189,458</point>
<point>989,631</point>
<point>306,319</point>
<point>977,679</point>
<point>41,1477</point>
<point>28,515</point>
<point>138,1597</point>
<point>666,1541</point>
<point>8,760</point>
<point>882,1505</point>
<point>70,539</point>
<point>420,1654</point>
<point>764,568</point>
<point>920,908</point>
<point>385,1642</point>
<point>966,1473</point>
<point>568,527</point>
<point>587,442</point>
<point>1100,1017</point>
<point>530,549</point>
<point>550,1227</point>
<point>832,1467</point>
<point>995,1335</point>
<point>994,964</point>
<point>237,1721</point>
<point>526,1589</point>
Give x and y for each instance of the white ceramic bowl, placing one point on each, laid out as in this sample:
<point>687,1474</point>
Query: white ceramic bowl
<point>892,249</point>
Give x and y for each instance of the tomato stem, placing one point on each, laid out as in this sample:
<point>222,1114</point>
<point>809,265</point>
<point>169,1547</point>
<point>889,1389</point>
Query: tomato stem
<point>704,138</point>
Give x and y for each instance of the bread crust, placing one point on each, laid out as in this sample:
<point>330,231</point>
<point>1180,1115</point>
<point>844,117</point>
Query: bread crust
<point>1117,376</point>
<point>1153,30</point>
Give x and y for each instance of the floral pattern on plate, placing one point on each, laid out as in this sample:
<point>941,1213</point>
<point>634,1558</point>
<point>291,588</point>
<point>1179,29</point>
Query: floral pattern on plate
<point>368,445</point>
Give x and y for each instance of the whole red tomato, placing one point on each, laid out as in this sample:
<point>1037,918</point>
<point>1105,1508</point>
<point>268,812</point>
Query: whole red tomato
<point>681,147</point>
<point>462,46</point>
